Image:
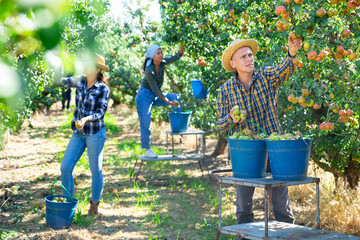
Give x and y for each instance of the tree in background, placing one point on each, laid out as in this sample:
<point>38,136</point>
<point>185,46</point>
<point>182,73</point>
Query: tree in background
<point>325,90</point>
<point>37,37</point>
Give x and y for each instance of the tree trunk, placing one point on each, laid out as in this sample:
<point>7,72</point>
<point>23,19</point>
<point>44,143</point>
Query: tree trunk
<point>220,146</point>
<point>352,174</point>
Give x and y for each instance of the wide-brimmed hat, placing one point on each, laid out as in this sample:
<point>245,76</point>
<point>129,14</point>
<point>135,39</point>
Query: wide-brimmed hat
<point>100,62</point>
<point>233,47</point>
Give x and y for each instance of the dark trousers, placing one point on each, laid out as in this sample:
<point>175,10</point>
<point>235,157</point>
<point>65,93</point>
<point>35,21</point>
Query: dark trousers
<point>279,200</point>
<point>66,97</point>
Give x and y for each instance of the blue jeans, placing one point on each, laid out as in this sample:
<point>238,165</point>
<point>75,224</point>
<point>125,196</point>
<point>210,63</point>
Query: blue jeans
<point>144,101</point>
<point>76,147</point>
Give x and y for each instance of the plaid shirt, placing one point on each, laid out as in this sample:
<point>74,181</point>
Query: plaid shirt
<point>260,101</point>
<point>92,102</point>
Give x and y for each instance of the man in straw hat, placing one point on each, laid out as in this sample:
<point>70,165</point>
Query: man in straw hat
<point>255,91</point>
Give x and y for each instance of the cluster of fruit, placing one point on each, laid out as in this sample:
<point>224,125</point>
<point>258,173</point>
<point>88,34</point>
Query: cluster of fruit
<point>302,100</point>
<point>59,199</point>
<point>246,134</point>
<point>347,116</point>
<point>238,114</point>
<point>287,136</point>
<point>326,126</point>
<point>201,62</point>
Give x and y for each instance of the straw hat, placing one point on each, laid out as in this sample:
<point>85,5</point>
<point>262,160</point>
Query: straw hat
<point>100,62</point>
<point>233,47</point>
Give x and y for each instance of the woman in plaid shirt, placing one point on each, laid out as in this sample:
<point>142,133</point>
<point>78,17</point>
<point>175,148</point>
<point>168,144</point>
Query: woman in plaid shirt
<point>255,91</point>
<point>92,96</point>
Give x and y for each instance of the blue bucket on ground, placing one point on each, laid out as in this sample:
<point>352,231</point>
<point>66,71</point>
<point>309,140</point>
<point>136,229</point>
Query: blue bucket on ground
<point>198,88</point>
<point>179,121</point>
<point>59,215</point>
<point>248,158</point>
<point>289,159</point>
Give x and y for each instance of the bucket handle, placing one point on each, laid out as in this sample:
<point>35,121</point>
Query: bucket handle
<point>249,122</point>
<point>52,191</point>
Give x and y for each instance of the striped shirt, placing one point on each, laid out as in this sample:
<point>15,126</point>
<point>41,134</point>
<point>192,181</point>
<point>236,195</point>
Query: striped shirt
<point>260,101</point>
<point>90,102</point>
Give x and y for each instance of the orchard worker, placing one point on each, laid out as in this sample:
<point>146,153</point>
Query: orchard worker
<point>150,93</point>
<point>255,91</point>
<point>88,127</point>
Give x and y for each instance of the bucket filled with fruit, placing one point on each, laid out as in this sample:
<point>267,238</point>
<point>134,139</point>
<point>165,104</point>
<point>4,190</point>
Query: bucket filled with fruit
<point>288,156</point>
<point>60,209</point>
<point>248,154</point>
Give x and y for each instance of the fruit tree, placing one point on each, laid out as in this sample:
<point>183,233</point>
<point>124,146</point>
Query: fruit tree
<point>321,98</point>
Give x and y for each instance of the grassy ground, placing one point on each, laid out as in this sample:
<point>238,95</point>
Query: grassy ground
<point>183,206</point>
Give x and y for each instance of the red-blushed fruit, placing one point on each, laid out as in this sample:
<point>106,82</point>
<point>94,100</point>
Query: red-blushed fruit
<point>305,92</point>
<point>351,5</point>
<point>292,35</point>
<point>283,48</point>
<point>349,113</point>
<point>331,95</point>
<point>301,99</point>
<point>286,25</point>
<point>342,112</point>
<point>346,33</point>
<point>329,126</point>
<point>340,49</point>
<point>322,126</point>
<point>278,24</point>
<point>338,55</point>
<point>300,65</point>
<point>316,106</point>
<point>290,97</point>
<point>280,29</point>
<point>295,61</point>
<point>298,2</point>
<point>349,52</point>
<point>323,54</point>
<point>281,9</point>
<point>285,15</point>
<point>287,2</point>
<point>344,118</point>
<point>318,59</point>
<point>312,55</point>
<point>334,2</point>
<point>353,56</point>
<point>303,104</point>
<point>321,12</point>
<point>231,13</point>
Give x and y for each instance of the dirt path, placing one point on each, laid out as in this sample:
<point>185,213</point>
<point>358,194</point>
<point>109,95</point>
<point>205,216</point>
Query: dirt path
<point>30,163</point>
<point>183,206</point>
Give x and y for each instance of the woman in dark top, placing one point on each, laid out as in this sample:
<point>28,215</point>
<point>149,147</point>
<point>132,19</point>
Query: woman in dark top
<point>92,95</point>
<point>150,93</point>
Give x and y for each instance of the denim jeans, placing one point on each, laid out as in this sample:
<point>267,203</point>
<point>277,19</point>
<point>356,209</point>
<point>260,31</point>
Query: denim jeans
<point>76,147</point>
<point>144,101</point>
<point>279,200</point>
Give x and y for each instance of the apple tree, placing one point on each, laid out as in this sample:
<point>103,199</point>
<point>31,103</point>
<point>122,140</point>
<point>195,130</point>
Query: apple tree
<point>322,96</point>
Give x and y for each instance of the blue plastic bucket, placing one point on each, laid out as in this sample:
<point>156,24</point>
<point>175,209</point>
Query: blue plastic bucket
<point>289,159</point>
<point>59,215</point>
<point>179,121</point>
<point>248,158</point>
<point>198,88</point>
